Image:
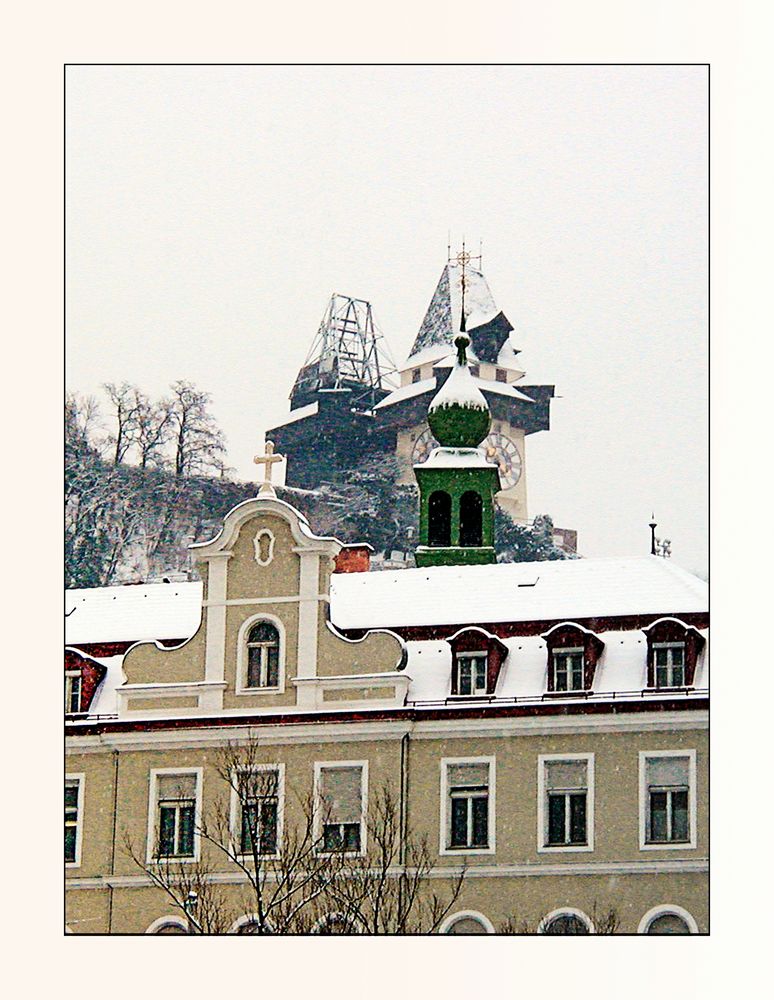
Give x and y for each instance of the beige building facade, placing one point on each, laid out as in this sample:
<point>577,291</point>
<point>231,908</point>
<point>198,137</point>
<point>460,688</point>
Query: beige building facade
<point>543,726</point>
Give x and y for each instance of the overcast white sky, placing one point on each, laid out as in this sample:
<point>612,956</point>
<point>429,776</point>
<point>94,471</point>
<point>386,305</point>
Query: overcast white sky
<point>211,211</point>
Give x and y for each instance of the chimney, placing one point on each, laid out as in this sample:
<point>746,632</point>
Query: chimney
<point>354,558</point>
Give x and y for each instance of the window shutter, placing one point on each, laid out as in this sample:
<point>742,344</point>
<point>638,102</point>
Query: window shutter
<point>176,786</point>
<point>468,775</point>
<point>668,771</point>
<point>566,774</point>
<point>340,794</point>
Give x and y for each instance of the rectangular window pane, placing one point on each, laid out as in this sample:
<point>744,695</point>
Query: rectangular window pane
<point>70,839</point>
<point>468,775</point>
<point>331,837</point>
<point>677,655</point>
<point>71,796</point>
<point>272,679</point>
<point>662,677</point>
<point>556,819</point>
<point>186,845</point>
<point>352,836</point>
<point>680,815</point>
<point>678,677</point>
<point>459,822</point>
<point>658,817</point>
<point>665,771</point>
<point>565,774</point>
<point>254,658</point>
<point>480,821</point>
<point>249,826</point>
<point>578,818</point>
<point>175,786</point>
<point>661,657</point>
<point>166,830</point>
<point>577,673</point>
<point>480,664</point>
<point>340,793</point>
<point>269,827</point>
<point>465,675</point>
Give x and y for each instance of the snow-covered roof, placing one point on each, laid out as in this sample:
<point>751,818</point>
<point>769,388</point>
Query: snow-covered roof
<point>515,592</point>
<point>459,388</point>
<point>456,458</point>
<point>442,319</point>
<point>428,385</point>
<point>302,412</point>
<point>132,613</point>
<point>406,392</point>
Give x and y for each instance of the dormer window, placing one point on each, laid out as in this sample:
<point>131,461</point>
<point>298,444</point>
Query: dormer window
<point>263,656</point>
<point>471,673</point>
<point>72,692</point>
<point>573,652</point>
<point>669,660</point>
<point>673,654</point>
<point>477,657</point>
<point>416,375</point>
<point>568,669</point>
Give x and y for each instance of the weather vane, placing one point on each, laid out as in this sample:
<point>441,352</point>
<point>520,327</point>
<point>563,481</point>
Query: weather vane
<point>462,259</point>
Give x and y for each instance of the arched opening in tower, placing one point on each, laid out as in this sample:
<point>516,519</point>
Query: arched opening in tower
<point>439,518</point>
<point>470,519</point>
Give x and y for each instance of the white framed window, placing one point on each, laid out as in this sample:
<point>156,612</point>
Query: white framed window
<point>174,813</point>
<point>261,656</point>
<point>567,666</point>
<point>668,919</point>
<point>566,921</point>
<point>467,819</point>
<point>73,818</point>
<point>669,664</point>
<point>169,925</point>
<point>471,673</point>
<point>667,799</point>
<point>340,795</point>
<point>467,922</point>
<point>565,802</point>
<point>73,682</point>
<point>257,809</point>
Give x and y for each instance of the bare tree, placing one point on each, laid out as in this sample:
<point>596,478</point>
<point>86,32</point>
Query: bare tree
<point>154,428</point>
<point>388,889</point>
<point>292,881</point>
<point>82,419</point>
<point>123,399</point>
<point>199,444</point>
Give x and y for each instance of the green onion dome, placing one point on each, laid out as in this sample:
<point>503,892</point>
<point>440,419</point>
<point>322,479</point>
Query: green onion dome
<point>459,415</point>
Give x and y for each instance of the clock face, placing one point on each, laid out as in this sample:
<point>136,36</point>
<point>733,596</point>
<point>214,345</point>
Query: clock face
<point>423,445</point>
<point>503,452</point>
<point>498,448</point>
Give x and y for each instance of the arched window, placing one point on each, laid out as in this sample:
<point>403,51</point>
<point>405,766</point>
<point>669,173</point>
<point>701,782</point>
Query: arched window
<point>668,923</point>
<point>565,922</point>
<point>470,518</point>
<point>668,919</point>
<point>467,922</point>
<point>439,518</point>
<point>263,644</point>
<point>168,925</point>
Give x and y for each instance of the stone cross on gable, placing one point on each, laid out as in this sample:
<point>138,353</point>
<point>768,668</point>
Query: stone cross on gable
<point>267,461</point>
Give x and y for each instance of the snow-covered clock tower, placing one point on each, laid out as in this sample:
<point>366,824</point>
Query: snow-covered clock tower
<point>346,406</point>
<point>517,411</point>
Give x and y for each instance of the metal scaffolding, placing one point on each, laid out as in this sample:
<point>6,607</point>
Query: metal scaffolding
<point>349,352</point>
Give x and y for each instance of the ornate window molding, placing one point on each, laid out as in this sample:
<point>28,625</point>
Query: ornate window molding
<point>242,655</point>
<point>474,643</point>
<point>667,910</point>
<point>447,927</point>
<point>263,543</point>
<point>570,637</point>
<point>673,634</point>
